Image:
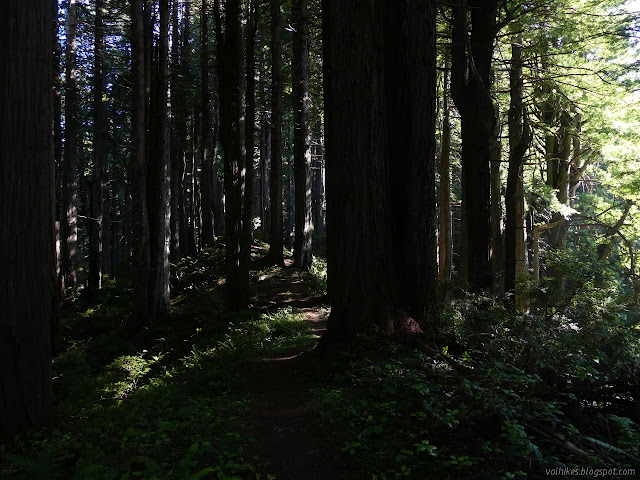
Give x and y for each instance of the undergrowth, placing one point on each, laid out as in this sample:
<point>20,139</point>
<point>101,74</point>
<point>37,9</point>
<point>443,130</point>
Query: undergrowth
<point>168,401</point>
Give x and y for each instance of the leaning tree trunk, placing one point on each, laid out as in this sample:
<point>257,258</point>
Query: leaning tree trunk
<point>70,182</point>
<point>246,236</point>
<point>276,250</point>
<point>303,257</point>
<point>27,170</point>
<point>98,185</point>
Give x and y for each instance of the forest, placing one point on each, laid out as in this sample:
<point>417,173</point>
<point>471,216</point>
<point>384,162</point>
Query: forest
<point>319,239</point>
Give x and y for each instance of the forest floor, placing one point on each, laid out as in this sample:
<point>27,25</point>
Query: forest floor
<point>284,428</point>
<point>213,394</point>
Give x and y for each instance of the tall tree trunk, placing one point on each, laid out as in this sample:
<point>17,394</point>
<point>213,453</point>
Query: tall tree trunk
<point>138,172</point>
<point>276,250</point>
<point>303,257</point>
<point>519,141</point>
<point>250,113</point>
<point>472,53</point>
<point>233,128</point>
<point>381,268</point>
<point>445,239</point>
<point>27,237</point>
<point>206,135</point>
<point>318,185</point>
<point>265,172</point>
<point>57,149</point>
<point>98,184</point>
<point>497,250</point>
<point>70,182</point>
<point>159,178</point>
<point>178,133</point>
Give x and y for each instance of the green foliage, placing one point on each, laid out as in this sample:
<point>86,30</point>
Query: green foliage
<point>170,401</point>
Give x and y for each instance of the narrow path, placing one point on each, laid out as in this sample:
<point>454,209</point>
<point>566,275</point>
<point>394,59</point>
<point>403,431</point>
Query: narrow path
<point>284,430</point>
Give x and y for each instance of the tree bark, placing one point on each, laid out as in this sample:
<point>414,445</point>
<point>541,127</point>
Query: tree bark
<point>27,237</point>
<point>381,267</point>
<point>70,182</point>
<point>519,140</point>
<point>207,136</point>
<point>472,53</point>
<point>445,239</point>
<point>276,249</point>
<point>138,172</point>
<point>233,138</point>
<point>178,134</point>
<point>159,178</point>
<point>303,257</point>
<point>98,185</point>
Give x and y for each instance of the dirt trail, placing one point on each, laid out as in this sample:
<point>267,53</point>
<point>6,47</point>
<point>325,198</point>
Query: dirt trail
<point>282,424</point>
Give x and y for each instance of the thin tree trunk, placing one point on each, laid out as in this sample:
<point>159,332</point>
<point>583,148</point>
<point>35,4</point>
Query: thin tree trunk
<point>206,135</point>
<point>497,250</point>
<point>303,257</point>
<point>250,113</point>
<point>57,149</point>
<point>265,166</point>
<point>276,250</point>
<point>70,182</point>
<point>445,239</point>
<point>519,141</point>
<point>27,238</point>
<point>98,184</point>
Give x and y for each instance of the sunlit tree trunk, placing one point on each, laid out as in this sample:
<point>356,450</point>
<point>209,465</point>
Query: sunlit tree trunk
<point>27,181</point>
<point>159,177</point>
<point>301,137</point>
<point>70,182</point>
<point>519,141</point>
<point>445,238</point>
<point>98,185</point>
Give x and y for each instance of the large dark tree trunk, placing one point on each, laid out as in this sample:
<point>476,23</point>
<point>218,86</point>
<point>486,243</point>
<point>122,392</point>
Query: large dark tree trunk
<point>70,182</point>
<point>233,138</point>
<point>138,172</point>
<point>98,184</point>
<point>472,54</point>
<point>207,137</point>
<point>303,257</point>
<point>276,250</point>
<point>380,213</point>
<point>519,140</point>
<point>27,180</point>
